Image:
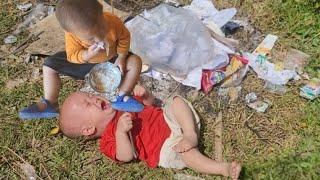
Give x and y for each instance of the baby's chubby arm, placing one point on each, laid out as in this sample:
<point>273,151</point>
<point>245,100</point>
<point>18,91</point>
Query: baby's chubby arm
<point>147,97</point>
<point>124,151</point>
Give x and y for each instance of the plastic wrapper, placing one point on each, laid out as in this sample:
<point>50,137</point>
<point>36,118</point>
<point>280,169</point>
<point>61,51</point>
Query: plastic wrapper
<point>275,88</point>
<point>236,71</point>
<point>171,40</point>
<point>231,75</point>
<point>296,60</point>
<point>311,90</point>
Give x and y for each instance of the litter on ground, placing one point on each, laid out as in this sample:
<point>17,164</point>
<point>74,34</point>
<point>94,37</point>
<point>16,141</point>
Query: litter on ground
<point>311,90</point>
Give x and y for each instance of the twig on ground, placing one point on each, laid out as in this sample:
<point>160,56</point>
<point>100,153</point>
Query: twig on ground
<point>24,161</point>
<point>256,132</point>
<point>112,7</point>
<point>24,44</point>
<point>246,124</point>
<point>174,90</point>
<point>31,37</point>
<point>218,146</point>
<point>92,160</point>
<point>45,170</point>
<point>17,155</point>
<point>136,2</point>
<point>4,32</point>
<point>12,167</point>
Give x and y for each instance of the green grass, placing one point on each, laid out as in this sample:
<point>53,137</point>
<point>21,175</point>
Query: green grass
<point>296,22</point>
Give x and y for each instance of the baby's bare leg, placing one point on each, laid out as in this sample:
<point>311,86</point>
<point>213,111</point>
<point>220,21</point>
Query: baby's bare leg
<point>184,116</point>
<point>197,161</point>
<point>133,69</point>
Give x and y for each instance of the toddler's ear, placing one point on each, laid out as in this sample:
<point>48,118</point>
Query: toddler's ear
<point>88,131</point>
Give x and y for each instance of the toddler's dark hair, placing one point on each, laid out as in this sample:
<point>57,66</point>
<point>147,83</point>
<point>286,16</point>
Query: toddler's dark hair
<point>82,13</point>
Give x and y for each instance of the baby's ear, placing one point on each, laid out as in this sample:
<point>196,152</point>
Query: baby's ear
<point>88,131</point>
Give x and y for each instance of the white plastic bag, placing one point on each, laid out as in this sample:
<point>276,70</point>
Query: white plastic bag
<point>172,40</point>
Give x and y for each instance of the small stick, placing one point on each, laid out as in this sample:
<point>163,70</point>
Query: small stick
<point>92,160</point>
<point>16,171</point>
<point>174,90</point>
<point>17,155</point>
<point>112,6</point>
<point>45,170</point>
<point>218,146</point>
<point>20,158</point>
<point>255,132</point>
<point>23,45</point>
<point>4,32</point>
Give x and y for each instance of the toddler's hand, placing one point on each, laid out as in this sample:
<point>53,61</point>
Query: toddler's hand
<point>92,51</point>
<point>121,63</point>
<point>125,123</point>
<point>140,91</point>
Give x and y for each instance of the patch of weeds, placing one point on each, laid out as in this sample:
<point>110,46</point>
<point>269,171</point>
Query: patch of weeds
<point>298,25</point>
<point>302,162</point>
<point>8,18</point>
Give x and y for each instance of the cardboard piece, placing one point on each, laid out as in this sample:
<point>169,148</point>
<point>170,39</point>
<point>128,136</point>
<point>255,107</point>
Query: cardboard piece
<point>51,40</point>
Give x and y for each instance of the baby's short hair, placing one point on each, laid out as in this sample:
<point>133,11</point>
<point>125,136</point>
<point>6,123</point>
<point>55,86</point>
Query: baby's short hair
<point>84,13</point>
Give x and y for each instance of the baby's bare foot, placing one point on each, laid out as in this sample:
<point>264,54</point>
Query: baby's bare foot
<point>234,170</point>
<point>188,142</point>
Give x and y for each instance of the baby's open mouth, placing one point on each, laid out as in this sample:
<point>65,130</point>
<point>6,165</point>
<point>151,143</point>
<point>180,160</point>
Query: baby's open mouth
<point>104,105</point>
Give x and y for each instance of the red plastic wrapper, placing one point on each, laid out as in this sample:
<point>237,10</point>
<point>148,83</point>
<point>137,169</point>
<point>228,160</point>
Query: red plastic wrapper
<point>210,78</point>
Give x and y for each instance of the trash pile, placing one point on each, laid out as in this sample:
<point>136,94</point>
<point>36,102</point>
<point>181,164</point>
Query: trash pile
<point>175,41</point>
<point>189,44</point>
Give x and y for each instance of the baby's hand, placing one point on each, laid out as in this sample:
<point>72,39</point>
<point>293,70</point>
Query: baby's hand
<point>125,123</point>
<point>140,91</point>
<point>92,51</point>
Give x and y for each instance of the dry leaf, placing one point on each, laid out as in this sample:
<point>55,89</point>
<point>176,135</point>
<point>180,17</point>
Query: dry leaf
<point>54,131</point>
<point>14,83</point>
<point>35,74</point>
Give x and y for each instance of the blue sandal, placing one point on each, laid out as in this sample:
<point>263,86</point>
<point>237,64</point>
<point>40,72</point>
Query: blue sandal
<point>127,105</point>
<point>33,111</point>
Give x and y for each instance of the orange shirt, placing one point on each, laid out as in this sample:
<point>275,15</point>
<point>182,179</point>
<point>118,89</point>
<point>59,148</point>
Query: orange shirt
<point>117,36</point>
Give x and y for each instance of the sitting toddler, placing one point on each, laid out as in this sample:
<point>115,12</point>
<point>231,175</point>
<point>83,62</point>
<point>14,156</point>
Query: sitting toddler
<point>165,137</point>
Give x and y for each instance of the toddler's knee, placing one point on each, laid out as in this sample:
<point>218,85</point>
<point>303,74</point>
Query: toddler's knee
<point>135,60</point>
<point>48,70</point>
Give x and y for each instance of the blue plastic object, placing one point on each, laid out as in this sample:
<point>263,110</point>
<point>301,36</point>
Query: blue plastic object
<point>33,111</point>
<point>130,105</point>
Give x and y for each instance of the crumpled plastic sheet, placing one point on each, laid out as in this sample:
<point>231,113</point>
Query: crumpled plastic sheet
<point>205,10</point>
<point>172,40</point>
<point>163,48</point>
